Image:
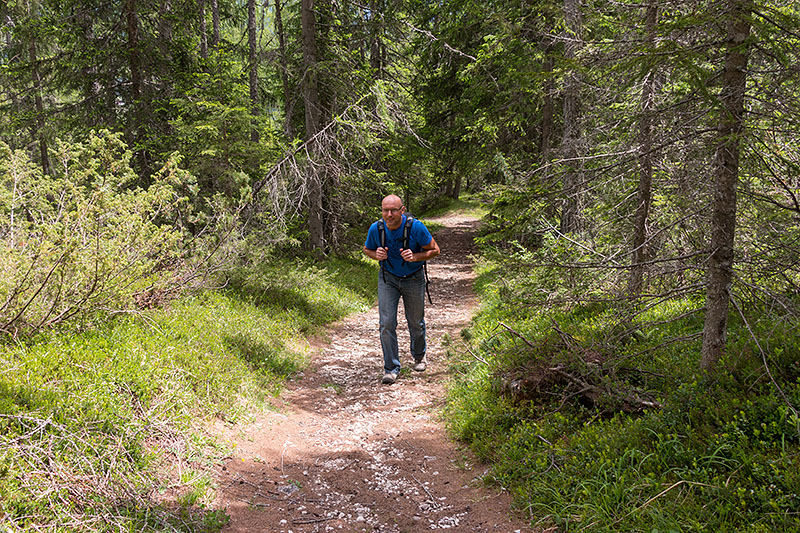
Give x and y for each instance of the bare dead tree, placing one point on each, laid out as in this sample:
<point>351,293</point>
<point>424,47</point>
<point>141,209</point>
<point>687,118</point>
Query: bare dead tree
<point>573,178</point>
<point>644,195</point>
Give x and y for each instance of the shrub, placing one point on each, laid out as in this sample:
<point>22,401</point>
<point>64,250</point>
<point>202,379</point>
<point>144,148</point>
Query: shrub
<point>86,240</point>
<point>715,453</point>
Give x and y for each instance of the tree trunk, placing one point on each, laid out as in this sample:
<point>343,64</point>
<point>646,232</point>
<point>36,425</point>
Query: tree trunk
<point>644,195</point>
<point>283,67</point>
<point>312,108</point>
<point>98,112</point>
<point>456,192</point>
<point>10,92</point>
<point>203,31</point>
<point>134,63</point>
<point>165,29</point>
<point>38,102</point>
<point>375,62</point>
<point>133,50</point>
<point>571,214</point>
<point>449,187</point>
<point>214,23</point>
<point>310,85</point>
<point>723,217</point>
<point>253,59</point>
<point>548,109</point>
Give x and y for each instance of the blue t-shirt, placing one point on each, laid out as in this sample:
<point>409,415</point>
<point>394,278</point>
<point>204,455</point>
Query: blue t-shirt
<point>417,238</point>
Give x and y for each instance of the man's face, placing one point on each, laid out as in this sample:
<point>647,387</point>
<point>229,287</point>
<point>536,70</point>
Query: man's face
<point>392,211</point>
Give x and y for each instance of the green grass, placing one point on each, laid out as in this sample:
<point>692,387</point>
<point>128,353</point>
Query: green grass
<point>91,423</point>
<point>466,204</point>
<point>722,454</point>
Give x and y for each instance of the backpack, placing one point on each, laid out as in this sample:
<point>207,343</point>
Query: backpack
<point>406,237</point>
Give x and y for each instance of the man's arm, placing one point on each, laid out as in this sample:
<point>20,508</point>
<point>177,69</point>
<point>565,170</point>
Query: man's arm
<point>378,254</point>
<point>429,251</point>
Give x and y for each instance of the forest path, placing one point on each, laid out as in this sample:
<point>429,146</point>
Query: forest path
<point>346,453</point>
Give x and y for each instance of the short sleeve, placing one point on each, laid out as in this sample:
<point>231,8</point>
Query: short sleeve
<point>373,241</point>
<point>420,234</point>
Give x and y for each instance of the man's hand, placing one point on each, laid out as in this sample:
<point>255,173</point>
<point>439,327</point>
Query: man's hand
<point>379,254</point>
<point>428,252</point>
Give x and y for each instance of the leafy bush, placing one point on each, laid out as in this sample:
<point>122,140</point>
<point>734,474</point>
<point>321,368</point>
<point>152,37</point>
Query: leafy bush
<point>87,239</point>
<point>720,454</point>
<point>94,425</point>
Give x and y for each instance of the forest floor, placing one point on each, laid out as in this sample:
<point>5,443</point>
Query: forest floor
<point>342,452</point>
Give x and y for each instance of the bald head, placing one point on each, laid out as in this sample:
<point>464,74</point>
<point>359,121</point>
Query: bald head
<point>392,211</point>
<point>392,200</point>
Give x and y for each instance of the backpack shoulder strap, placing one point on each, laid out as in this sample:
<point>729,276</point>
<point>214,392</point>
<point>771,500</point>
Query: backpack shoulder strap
<point>407,230</point>
<point>382,232</point>
<point>382,237</point>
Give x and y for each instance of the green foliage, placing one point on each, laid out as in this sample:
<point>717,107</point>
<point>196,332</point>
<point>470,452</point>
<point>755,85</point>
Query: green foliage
<point>91,423</point>
<point>721,454</point>
<point>212,127</point>
<point>467,204</point>
<point>513,218</point>
<point>311,292</point>
<point>85,240</point>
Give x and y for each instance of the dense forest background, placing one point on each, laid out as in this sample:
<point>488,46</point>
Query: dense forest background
<point>638,161</point>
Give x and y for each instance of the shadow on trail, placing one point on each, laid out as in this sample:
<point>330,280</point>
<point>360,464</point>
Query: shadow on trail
<point>353,490</point>
<point>348,453</point>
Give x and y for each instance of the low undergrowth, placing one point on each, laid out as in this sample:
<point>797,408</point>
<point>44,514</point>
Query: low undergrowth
<point>103,430</point>
<point>541,393</point>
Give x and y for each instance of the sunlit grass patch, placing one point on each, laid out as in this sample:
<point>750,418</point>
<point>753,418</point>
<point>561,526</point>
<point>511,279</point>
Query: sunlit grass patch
<point>466,204</point>
<point>93,425</point>
<point>715,453</point>
<point>306,292</point>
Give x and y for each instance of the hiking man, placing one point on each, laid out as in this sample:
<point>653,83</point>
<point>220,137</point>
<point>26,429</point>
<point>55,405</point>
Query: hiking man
<point>401,244</point>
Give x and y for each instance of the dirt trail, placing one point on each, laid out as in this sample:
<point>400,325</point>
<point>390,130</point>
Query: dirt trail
<point>345,453</point>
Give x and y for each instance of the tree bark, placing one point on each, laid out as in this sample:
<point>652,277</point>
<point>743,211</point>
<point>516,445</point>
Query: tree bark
<point>375,60</point>
<point>253,59</point>
<point>644,194</point>
<point>214,23</point>
<point>95,96</point>
<point>548,109</point>
<point>165,29</point>
<point>11,93</point>
<point>203,31</point>
<point>134,63</point>
<point>38,102</point>
<point>723,217</point>
<point>283,67</point>
<point>454,186</point>
<point>549,92</point>
<point>571,214</point>
<point>313,125</point>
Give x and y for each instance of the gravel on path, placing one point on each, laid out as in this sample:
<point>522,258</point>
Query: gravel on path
<point>345,453</point>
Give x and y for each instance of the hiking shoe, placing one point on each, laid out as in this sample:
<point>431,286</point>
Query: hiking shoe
<point>389,378</point>
<point>419,366</point>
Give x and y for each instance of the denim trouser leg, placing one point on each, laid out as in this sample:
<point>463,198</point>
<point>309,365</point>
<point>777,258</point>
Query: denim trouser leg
<point>414,305</point>
<point>388,297</point>
<point>412,289</point>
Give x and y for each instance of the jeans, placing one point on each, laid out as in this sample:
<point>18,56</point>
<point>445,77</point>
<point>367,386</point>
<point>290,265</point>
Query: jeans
<point>412,289</point>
